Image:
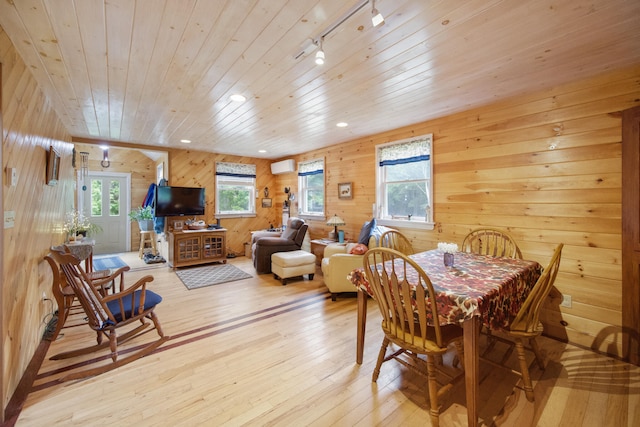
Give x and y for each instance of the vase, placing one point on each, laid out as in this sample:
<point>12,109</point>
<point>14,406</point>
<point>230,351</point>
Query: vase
<point>448,260</point>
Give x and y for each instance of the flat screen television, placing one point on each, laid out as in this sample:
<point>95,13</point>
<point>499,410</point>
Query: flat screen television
<point>179,201</point>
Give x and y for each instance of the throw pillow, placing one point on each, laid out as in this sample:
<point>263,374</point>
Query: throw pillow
<point>358,249</point>
<point>365,232</point>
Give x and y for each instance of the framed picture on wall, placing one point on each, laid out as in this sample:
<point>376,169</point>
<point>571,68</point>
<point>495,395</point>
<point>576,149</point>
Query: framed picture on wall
<point>344,190</point>
<point>53,166</point>
<point>266,202</point>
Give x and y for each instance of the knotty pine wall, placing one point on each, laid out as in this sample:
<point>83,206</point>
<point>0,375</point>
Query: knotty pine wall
<point>190,168</point>
<point>30,126</point>
<point>545,166</point>
<point>126,160</point>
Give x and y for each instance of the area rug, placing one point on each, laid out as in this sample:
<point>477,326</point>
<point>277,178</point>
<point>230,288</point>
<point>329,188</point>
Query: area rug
<point>108,263</point>
<point>199,277</point>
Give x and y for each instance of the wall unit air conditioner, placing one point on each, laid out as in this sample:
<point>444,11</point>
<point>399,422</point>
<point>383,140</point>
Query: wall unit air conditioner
<point>284,166</point>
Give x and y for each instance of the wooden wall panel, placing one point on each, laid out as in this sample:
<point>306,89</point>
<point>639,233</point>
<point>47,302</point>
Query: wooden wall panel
<point>196,169</point>
<point>546,166</point>
<point>30,126</point>
<point>141,167</point>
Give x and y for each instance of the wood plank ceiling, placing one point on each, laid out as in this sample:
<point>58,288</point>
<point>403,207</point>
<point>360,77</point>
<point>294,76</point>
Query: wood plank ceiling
<point>154,72</point>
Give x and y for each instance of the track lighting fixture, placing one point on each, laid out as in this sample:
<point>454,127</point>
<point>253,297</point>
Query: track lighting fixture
<point>376,16</point>
<point>316,42</point>
<point>320,54</point>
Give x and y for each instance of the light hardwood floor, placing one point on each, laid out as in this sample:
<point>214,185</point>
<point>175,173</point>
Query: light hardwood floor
<point>254,352</point>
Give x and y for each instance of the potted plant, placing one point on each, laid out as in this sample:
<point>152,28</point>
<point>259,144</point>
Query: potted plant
<point>144,216</point>
<point>78,225</point>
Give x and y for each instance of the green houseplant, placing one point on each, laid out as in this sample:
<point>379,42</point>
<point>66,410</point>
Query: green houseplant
<point>144,217</point>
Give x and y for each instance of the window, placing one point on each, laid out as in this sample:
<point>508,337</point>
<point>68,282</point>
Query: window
<point>235,189</point>
<point>311,188</point>
<point>404,177</point>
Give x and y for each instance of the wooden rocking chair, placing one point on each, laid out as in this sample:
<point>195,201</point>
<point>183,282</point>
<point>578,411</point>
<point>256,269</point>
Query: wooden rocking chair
<point>64,294</point>
<point>107,313</point>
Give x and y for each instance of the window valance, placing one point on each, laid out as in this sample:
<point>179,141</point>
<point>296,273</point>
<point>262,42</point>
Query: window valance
<point>236,169</point>
<point>415,150</point>
<point>312,167</point>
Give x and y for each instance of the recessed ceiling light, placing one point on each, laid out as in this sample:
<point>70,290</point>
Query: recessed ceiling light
<point>236,97</point>
<point>185,141</point>
<point>262,151</point>
<point>342,124</point>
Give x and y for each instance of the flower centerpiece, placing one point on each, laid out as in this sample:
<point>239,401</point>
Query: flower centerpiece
<point>77,224</point>
<point>449,250</point>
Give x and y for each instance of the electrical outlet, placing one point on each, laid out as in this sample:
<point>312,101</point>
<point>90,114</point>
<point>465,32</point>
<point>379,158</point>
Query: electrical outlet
<point>566,301</point>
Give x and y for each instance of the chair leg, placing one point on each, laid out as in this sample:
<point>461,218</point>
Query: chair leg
<point>460,353</point>
<point>536,351</point>
<point>524,370</point>
<point>434,410</point>
<point>113,344</point>
<point>381,357</point>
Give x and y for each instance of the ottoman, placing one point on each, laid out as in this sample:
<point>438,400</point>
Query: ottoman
<point>285,265</point>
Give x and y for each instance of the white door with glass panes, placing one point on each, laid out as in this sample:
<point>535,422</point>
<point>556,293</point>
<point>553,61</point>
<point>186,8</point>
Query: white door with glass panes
<point>104,198</point>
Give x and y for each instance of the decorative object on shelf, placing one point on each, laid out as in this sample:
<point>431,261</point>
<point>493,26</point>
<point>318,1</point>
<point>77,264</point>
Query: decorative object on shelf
<point>77,224</point>
<point>266,202</point>
<point>335,221</point>
<point>193,224</point>
<point>344,190</point>
<point>53,166</point>
<point>449,250</point>
<point>144,217</point>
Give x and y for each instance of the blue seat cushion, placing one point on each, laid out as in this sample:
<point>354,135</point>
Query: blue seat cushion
<point>151,299</point>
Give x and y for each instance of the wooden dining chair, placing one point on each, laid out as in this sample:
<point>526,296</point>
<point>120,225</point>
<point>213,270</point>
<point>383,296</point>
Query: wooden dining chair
<point>526,325</point>
<point>491,242</point>
<point>106,314</point>
<point>393,239</point>
<point>402,290</point>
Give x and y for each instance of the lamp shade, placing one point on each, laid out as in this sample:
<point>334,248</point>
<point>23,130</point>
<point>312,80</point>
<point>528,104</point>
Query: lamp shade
<point>335,221</point>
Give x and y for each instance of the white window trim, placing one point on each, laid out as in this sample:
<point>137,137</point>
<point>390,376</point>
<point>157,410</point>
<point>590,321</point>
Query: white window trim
<point>429,224</point>
<point>312,216</point>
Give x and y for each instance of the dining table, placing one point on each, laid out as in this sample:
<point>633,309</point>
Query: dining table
<point>475,290</point>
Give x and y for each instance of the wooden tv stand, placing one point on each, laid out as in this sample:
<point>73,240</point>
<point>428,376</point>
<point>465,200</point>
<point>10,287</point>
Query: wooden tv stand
<point>191,247</point>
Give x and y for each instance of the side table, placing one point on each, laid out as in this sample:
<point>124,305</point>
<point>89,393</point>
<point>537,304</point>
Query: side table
<point>317,248</point>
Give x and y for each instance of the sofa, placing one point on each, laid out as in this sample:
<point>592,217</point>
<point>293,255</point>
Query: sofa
<point>340,259</point>
<point>264,244</point>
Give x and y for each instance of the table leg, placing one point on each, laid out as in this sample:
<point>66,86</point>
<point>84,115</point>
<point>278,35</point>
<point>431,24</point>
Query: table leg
<point>362,324</point>
<point>471,329</point>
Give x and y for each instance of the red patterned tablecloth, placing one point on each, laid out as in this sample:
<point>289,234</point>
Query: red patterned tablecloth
<point>476,285</point>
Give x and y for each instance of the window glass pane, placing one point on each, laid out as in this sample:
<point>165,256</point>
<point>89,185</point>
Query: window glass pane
<point>311,194</point>
<point>235,194</point>
<point>96,197</point>
<point>234,198</point>
<point>404,180</point>
<point>114,198</point>
<point>407,171</point>
<point>408,200</point>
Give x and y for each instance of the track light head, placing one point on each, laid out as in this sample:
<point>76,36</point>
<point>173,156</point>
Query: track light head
<point>376,16</point>
<point>320,57</point>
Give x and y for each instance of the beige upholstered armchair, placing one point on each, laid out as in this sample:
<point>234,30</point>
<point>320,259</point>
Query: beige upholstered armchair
<point>338,261</point>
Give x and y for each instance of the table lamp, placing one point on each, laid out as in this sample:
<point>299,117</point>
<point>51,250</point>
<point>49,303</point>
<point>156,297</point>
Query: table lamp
<point>335,221</point>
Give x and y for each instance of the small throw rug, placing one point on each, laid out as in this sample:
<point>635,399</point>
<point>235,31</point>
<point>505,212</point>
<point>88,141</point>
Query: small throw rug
<point>108,263</point>
<point>199,277</point>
